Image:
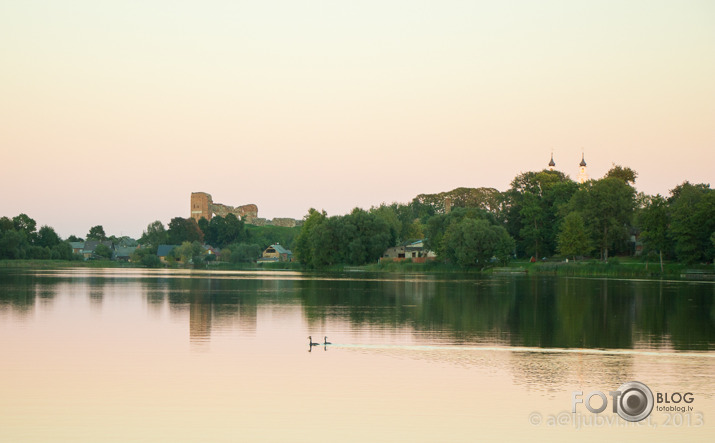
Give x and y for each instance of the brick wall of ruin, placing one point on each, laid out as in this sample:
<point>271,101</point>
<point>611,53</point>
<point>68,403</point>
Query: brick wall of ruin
<point>202,205</point>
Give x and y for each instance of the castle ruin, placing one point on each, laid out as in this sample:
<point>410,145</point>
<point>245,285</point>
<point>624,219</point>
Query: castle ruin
<point>202,205</point>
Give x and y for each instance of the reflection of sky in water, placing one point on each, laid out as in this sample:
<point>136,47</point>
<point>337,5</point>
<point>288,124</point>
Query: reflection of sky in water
<point>94,353</point>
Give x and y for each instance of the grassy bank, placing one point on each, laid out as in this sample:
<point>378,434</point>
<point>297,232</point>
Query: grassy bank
<point>275,266</point>
<point>615,268</point>
<point>54,264</point>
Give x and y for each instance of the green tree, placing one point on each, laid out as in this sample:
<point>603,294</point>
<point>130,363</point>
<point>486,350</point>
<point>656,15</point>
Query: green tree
<point>222,231</point>
<point>304,242</point>
<point>533,209</point>
<point>654,220</point>
<point>96,233</point>
<point>103,251</point>
<point>26,225</point>
<point>267,235</point>
<point>154,235</point>
<point>607,207</point>
<point>357,238</point>
<point>245,253</point>
<point>473,242</point>
<point>626,174</point>
<point>533,219</point>
<point>327,243</point>
<point>488,199</point>
<point>389,215</point>
<point>190,253</point>
<point>366,236</point>
<point>692,209</point>
<point>13,244</point>
<point>438,226</point>
<point>146,256</point>
<point>434,235</point>
<point>74,238</point>
<point>61,251</point>
<point>6,224</point>
<point>184,230</point>
<point>573,240</point>
<point>38,252</point>
<point>226,230</point>
<point>47,237</point>
<point>204,226</point>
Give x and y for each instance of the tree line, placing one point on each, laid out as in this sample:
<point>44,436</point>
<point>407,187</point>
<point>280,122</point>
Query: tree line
<point>543,214</point>
<point>237,242</point>
<point>20,239</point>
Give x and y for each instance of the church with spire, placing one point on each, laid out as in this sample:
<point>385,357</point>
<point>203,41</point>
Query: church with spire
<point>582,175</point>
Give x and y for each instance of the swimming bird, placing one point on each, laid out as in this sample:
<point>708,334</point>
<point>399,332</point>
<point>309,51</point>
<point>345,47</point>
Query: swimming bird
<point>312,343</point>
<point>326,341</point>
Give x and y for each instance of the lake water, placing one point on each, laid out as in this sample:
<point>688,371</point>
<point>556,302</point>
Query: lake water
<point>92,355</point>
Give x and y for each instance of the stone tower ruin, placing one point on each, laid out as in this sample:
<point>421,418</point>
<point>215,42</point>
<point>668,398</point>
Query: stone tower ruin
<point>202,205</point>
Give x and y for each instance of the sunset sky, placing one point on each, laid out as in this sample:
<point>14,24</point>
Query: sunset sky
<point>113,112</point>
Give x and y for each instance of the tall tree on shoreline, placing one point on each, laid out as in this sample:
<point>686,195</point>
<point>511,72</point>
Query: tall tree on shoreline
<point>184,230</point>
<point>96,233</point>
<point>607,206</point>
<point>573,240</point>
<point>533,210</point>
<point>692,209</point>
<point>154,235</point>
<point>654,220</point>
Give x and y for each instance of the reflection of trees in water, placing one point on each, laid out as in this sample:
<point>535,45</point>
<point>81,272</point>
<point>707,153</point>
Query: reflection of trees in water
<point>216,303</point>
<point>675,314</point>
<point>551,371</point>
<point>364,302</point>
<point>97,286</point>
<point>19,293</point>
<point>533,312</point>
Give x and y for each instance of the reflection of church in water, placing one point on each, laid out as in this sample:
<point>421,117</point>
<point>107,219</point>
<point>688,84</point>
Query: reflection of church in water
<point>582,175</point>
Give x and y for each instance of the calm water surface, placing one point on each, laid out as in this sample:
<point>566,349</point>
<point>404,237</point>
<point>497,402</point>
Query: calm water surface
<point>141,355</point>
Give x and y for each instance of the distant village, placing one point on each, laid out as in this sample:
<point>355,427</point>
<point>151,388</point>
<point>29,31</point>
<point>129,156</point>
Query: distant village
<point>545,215</point>
<point>203,207</point>
<point>125,249</point>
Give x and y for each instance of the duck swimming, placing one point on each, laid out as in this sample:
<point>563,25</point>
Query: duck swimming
<point>326,341</point>
<point>312,343</point>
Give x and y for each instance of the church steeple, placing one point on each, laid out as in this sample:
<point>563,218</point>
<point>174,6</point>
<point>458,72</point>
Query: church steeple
<point>582,176</point>
<point>552,164</point>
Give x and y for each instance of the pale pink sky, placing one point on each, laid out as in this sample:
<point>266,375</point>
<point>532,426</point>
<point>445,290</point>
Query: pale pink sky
<point>112,113</point>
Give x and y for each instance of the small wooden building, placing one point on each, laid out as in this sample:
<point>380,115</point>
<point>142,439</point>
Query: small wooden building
<point>276,253</point>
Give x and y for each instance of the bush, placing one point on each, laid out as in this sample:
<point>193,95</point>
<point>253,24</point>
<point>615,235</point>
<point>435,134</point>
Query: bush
<point>245,253</point>
<point>150,261</point>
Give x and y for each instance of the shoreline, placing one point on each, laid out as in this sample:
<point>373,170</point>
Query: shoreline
<point>615,268</point>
